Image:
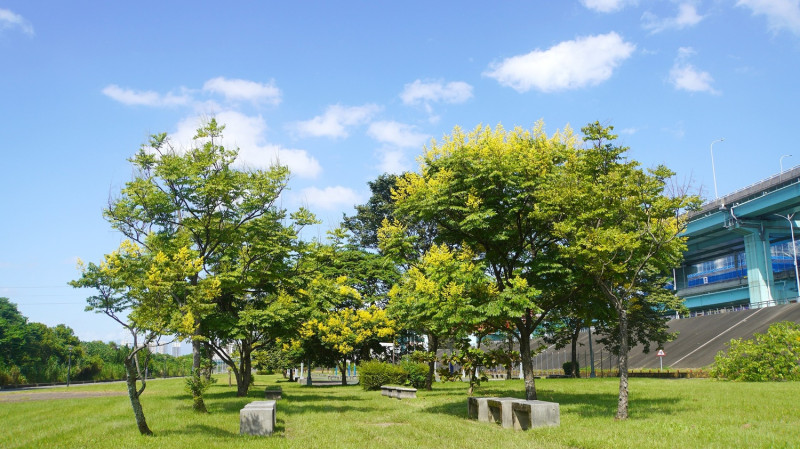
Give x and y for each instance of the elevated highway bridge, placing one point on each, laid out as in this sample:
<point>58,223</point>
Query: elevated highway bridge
<point>741,252</point>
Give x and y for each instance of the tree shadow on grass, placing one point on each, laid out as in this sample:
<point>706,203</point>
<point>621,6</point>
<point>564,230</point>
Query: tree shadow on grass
<point>206,430</point>
<point>585,405</point>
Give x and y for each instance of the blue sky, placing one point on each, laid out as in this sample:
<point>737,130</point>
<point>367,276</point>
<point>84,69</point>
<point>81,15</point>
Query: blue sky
<point>344,91</point>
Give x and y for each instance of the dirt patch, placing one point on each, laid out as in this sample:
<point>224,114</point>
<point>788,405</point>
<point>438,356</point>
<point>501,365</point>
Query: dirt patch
<point>46,396</point>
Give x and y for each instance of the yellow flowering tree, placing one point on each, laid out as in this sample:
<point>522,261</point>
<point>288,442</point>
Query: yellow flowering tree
<point>148,294</point>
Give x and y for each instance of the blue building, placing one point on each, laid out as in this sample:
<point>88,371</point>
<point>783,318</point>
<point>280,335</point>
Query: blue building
<point>741,252</point>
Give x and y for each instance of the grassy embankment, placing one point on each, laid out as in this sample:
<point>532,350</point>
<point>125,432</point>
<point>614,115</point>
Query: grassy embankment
<point>687,413</point>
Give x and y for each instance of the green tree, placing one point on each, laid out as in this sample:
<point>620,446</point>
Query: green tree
<point>487,190</point>
<point>771,356</point>
<point>137,289</point>
<point>623,225</point>
<point>194,196</point>
<point>228,217</point>
<point>442,296</point>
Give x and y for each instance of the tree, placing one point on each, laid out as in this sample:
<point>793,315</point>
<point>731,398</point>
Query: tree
<point>623,227</point>
<point>196,198</point>
<point>772,356</point>
<point>441,296</point>
<point>137,289</point>
<point>487,190</point>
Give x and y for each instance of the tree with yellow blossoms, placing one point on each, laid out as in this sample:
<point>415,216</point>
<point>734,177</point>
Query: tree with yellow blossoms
<point>148,294</point>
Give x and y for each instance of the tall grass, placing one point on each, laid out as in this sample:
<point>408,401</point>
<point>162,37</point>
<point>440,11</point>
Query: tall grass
<point>680,413</point>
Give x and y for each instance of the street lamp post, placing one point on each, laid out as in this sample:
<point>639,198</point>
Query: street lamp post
<point>713,170</point>
<point>591,353</point>
<point>794,250</point>
<point>780,177</point>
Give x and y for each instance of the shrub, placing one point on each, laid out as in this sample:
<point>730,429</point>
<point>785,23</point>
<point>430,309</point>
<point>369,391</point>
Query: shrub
<point>417,372</point>
<point>373,374</point>
<point>767,357</point>
<point>569,368</point>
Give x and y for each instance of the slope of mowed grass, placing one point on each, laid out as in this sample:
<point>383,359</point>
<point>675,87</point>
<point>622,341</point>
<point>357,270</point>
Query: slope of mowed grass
<point>688,413</point>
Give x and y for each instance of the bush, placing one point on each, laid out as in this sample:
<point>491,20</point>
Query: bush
<point>417,372</point>
<point>570,368</point>
<point>373,374</point>
<point>772,356</point>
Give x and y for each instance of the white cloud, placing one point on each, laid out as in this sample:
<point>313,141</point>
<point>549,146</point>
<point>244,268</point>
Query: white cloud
<point>684,76</point>
<point>336,119</point>
<point>396,134</point>
<point>606,5</point>
<point>435,91</point>
<point>239,89</point>
<point>687,17</point>
<point>330,198</point>
<point>572,64</point>
<point>393,161</point>
<point>10,20</point>
<point>249,135</point>
<point>144,98</point>
<point>780,14</point>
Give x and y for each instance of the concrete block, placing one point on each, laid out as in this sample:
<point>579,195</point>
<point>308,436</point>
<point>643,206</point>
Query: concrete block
<point>273,393</point>
<point>478,409</point>
<point>257,418</point>
<point>501,412</point>
<point>532,414</point>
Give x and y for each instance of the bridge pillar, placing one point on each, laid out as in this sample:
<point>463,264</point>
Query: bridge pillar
<point>759,266</point>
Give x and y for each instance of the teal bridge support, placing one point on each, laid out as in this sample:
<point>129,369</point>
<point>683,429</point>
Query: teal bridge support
<point>739,248</point>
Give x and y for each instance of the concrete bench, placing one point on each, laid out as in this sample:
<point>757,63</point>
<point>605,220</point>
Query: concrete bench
<point>273,393</point>
<point>531,414</point>
<point>398,392</point>
<point>257,418</point>
<point>513,413</point>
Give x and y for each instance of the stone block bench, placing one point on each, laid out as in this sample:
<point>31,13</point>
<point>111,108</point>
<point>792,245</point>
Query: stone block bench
<point>398,392</point>
<point>257,418</point>
<point>530,414</point>
<point>513,413</point>
<point>273,393</point>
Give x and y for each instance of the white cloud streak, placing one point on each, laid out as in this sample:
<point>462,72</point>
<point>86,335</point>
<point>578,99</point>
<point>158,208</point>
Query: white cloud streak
<point>329,198</point>
<point>249,135</point>
<point>780,14</point>
<point>397,134</point>
<point>436,91</point>
<point>687,17</point>
<point>685,76</point>
<point>574,64</point>
<point>336,120</point>
<point>11,20</point>
<point>606,6</point>
<point>239,89</point>
<point>144,98</point>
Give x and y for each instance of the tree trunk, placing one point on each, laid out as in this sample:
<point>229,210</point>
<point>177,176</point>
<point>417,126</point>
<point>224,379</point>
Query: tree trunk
<point>527,363</point>
<point>133,394</point>
<point>510,364</point>
<point>245,375</point>
<point>622,404</point>
<point>433,348</point>
<point>343,367</point>
<point>575,371</point>
<point>291,374</point>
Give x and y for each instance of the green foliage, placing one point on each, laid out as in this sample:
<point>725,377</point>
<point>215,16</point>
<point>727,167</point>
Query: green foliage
<point>373,374</point>
<point>571,367</point>
<point>196,385</point>
<point>417,372</point>
<point>773,356</point>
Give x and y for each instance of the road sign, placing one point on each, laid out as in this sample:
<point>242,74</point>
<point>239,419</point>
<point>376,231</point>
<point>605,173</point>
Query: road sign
<point>661,353</point>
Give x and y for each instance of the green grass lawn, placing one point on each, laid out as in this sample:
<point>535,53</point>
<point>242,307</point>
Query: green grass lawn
<point>688,413</point>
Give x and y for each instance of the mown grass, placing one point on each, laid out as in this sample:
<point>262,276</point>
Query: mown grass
<point>681,413</point>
